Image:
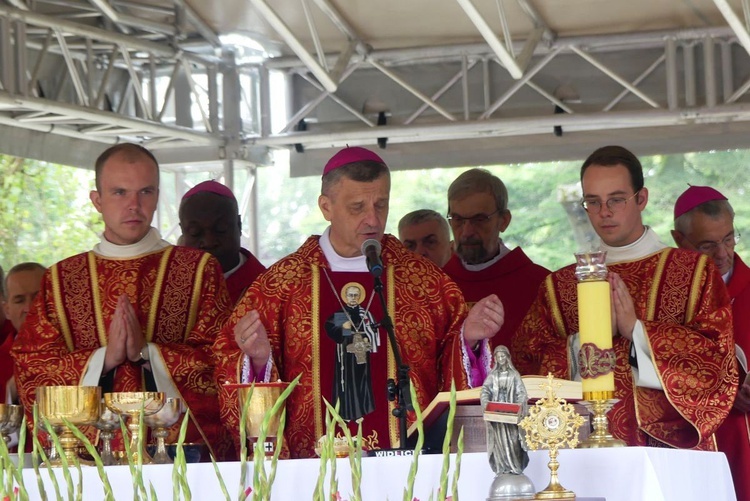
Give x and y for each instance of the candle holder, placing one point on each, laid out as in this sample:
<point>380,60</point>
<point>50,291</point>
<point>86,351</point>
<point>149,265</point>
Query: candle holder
<point>596,358</point>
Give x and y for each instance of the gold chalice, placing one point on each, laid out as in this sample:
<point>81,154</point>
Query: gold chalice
<point>78,405</point>
<point>10,420</point>
<point>108,422</point>
<point>168,415</point>
<point>263,398</point>
<point>131,403</point>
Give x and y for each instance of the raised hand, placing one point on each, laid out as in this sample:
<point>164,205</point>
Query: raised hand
<point>252,338</point>
<point>485,319</point>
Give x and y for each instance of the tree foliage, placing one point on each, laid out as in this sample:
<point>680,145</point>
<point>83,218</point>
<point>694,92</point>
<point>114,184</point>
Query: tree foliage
<point>45,212</point>
<point>288,210</point>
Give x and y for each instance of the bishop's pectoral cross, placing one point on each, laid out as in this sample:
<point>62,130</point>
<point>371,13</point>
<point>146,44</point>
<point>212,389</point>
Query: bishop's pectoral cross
<point>359,346</point>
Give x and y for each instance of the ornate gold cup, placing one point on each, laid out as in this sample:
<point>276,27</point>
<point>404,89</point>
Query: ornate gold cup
<point>77,404</point>
<point>130,404</point>
<point>10,420</point>
<point>262,400</point>
<point>168,415</point>
<point>108,422</point>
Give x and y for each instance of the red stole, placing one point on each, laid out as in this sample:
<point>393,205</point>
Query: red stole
<point>336,358</point>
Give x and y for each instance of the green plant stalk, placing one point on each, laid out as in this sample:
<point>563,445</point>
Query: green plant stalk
<point>457,470</point>
<point>279,445</point>
<point>129,455</point>
<point>22,492</point>
<point>180,462</point>
<point>355,451</point>
<point>243,445</point>
<point>6,486</point>
<point>108,493</point>
<point>141,450</point>
<point>37,451</point>
<point>409,490</point>
<point>79,486</point>
<point>262,489</point>
<point>330,444</point>
<point>63,457</point>
<point>319,494</point>
<point>447,445</point>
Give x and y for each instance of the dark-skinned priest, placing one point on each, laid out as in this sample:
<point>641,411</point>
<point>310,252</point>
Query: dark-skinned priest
<point>300,318</point>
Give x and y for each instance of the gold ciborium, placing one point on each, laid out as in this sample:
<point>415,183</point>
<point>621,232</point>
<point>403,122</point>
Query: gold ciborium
<point>78,405</point>
<point>108,422</point>
<point>263,396</point>
<point>160,422</point>
<point>130,404</point>
<point>10,420</point>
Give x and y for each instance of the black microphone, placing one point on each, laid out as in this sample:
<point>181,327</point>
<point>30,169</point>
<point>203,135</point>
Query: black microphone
<point>371,250</point>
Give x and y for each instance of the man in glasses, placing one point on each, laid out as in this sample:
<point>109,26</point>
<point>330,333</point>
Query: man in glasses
<point>704,222</point>
<point>674,371</point>
<point>482,264</point>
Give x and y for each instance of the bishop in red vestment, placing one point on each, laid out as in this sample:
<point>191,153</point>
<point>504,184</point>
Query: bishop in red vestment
<point>210,221</point>
<point>313,312</point>
<point>704,222</point>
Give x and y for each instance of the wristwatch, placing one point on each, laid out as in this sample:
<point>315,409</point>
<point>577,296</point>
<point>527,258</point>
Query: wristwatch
<point>144,356</point>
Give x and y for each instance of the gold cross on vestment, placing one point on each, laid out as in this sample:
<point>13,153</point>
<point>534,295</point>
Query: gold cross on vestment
<point>359,346</point>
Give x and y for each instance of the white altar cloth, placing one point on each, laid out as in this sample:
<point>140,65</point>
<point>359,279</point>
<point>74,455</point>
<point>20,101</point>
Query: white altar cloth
<point>622,474</point>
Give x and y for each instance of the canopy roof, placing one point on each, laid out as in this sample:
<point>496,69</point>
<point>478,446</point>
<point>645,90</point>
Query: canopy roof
<point>434,82</point>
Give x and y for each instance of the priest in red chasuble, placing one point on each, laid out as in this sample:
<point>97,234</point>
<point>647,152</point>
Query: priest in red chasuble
<point>675,375</point>
<point>133,314</point>
<point>301,313</point>
<point>704,222</point>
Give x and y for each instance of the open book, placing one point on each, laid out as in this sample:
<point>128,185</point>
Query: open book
<point>571,391</point>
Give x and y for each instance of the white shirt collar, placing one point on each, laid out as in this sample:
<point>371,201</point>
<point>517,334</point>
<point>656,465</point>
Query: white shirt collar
<point>243,260</point>
<point>336,262</point>
<point>483,266</point>
<point>150,243</point>
<point>646,245</point>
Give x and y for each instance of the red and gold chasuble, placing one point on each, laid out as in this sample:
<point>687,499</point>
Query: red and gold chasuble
<point>684,307</point>
<point>181,302</point>
<point>295,300</point>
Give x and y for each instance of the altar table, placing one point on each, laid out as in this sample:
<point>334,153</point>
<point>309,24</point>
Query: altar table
<point>621,474</point>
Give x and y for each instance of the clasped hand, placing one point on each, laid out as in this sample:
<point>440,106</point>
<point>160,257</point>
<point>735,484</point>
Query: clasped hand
<point>252,338</point>
<point>125,337</point>
<point>623,308</point>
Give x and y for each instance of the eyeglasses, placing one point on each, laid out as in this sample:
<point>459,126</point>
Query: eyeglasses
<point>710,247</point>
<point>476,220</point>
<point>614,204</point>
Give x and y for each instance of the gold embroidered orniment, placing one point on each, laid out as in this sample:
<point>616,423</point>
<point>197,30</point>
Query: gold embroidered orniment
<point>594,361</point>
<point>57,292</point>
<point>654,293</point>
<point>557,318</point>
<point>150,326</point>
<point>97,299</point>
<point>393,424</point>
<point>315,311</point>
<point>196,296</point>
<point>695,292</point>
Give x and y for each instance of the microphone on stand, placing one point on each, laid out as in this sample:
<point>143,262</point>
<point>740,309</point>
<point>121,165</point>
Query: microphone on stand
<point>371,249</point>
